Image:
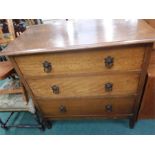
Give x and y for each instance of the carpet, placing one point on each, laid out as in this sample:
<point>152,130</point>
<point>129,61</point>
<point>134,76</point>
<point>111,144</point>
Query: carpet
<point>81,127</point>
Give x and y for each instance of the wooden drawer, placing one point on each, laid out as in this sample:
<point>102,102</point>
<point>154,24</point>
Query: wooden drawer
<point>75,62</point>
<point>96,106</point>
<point>85,86</point>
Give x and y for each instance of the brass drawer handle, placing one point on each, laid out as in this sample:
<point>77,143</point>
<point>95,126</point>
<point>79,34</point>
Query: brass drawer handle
<point>108,87</point>
<point>109,62</point>
<point>108,108</point>
<point>55,89</point>
<point>47,67</point>
<point>62,109</point>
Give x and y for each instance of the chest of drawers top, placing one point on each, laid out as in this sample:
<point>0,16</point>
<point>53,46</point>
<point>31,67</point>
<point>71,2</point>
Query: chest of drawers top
<point>63,35</point>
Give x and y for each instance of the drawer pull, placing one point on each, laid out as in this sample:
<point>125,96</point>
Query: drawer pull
<point>108,108</point>
<point>109,61</point>
<point>55,89</point>
<point>62,109</point>
<point>108,87</point>
<point>47,66</point>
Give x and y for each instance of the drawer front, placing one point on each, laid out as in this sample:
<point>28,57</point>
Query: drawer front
<point>85,86</point>
<point>98,106</point>
<point>92,61</point>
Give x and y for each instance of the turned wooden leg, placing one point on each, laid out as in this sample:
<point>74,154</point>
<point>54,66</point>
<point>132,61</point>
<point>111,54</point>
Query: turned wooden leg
<point>132,122</point>
<point>43,122</point>
<point>48,124</point>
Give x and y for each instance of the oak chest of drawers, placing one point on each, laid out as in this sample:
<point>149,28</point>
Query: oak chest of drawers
<point>84,68</point>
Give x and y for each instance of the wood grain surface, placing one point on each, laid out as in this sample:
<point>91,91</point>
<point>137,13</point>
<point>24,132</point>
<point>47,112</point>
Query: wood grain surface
<point>127,58</point>
<point>64,35</point>
<point>87,107</point>
<point>85,86</point>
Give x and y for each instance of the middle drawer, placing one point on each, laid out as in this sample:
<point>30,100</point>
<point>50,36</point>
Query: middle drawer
<point>85,86</point>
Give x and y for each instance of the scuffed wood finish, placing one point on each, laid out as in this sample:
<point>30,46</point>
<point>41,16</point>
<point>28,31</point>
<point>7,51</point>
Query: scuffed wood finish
<point>88,61</point>
<point>85,86</point>
<point>87,107</point>
<point>80,34</point>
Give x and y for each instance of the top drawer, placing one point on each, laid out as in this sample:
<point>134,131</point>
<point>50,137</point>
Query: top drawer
<point>84,61</point>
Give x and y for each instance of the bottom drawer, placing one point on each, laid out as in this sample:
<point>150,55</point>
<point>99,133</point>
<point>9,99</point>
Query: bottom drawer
<point>87,107</point>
